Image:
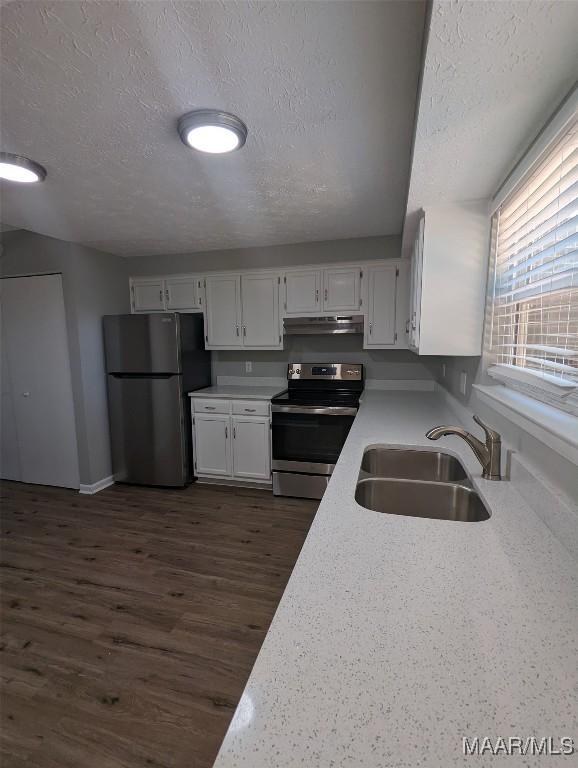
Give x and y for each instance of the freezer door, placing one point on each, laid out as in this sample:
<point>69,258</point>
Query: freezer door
<point>142,343</point>
<point>148,430</point>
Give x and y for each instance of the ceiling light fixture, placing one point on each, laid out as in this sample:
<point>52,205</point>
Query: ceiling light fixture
<point>21,169</point>
<point>212,131</point>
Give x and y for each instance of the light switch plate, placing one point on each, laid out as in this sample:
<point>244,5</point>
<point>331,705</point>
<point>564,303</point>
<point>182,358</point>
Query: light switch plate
<point>443,370</point>
<point>248,367</point>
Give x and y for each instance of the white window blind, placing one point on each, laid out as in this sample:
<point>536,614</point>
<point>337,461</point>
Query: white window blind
<point>534,330</point>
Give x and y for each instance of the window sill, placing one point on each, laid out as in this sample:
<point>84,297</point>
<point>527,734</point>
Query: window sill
<point>557,429</point>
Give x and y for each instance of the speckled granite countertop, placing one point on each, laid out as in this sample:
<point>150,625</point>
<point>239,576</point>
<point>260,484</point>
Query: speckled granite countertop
<point>237,393</point>
<point>397,636</point>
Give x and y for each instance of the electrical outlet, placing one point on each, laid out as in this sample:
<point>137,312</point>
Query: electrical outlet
<point>248,366</point>
<point>463,383</point>
<point>443,370</point>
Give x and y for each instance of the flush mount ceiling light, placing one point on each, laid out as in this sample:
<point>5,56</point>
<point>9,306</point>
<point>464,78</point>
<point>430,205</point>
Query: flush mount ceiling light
<point>21,169</point>
<point>209,130</point>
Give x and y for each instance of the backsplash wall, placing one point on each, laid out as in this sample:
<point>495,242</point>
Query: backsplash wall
<point>398,364</point>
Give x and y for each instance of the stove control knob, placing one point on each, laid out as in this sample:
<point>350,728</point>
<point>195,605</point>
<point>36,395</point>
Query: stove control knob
<point>298,370</point>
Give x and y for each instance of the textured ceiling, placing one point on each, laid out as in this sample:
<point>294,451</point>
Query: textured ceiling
<point>92,90</point>
<point>493,74</point>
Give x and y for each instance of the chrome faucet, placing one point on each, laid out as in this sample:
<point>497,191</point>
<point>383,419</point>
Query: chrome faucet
<point>488,453</point>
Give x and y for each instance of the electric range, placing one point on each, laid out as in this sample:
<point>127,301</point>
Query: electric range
<point>310,423</point>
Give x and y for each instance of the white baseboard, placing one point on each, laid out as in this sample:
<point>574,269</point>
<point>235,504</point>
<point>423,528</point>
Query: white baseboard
<point>96,487</point>
<point>413,385</point>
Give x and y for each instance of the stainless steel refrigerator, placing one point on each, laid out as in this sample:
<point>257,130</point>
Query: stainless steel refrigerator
<point>152,361</point>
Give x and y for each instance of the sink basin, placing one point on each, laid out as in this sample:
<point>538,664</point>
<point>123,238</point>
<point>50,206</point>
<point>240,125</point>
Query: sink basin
<point>438,501</point>
<point>412,465</point>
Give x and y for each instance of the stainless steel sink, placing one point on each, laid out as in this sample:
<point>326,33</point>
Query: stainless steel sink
<point>438,501</point>
<point>412,465</point>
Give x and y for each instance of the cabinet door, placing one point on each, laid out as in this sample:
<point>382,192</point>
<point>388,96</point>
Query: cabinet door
<point>415,289</point>
<point>251,447</point>
<point>181,293</point>
<point>380,329</point>
<point>212,444</point>
<point>341,289</point>
<point>223,311</point>
<point>147,295</point>
<point>260,300</point>
<point>302,291</point>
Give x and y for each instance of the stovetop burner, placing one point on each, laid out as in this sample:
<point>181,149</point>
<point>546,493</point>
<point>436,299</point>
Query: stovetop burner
<point>317,398</point>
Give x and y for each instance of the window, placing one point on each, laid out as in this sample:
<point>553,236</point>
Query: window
<point>534,320</point>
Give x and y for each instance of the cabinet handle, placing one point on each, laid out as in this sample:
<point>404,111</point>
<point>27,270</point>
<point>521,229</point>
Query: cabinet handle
<point>244,330</point>
<point>249,410</point>
<point>325,294</point>
<point>167,295</point>
<point>209,407</point>
<point>316,296</point>
<point>407,327</point>
<point>234,433</point>
<point>226,431</point>
<point>237,330</point>
<point>161,294</point>
<point>370,328</point>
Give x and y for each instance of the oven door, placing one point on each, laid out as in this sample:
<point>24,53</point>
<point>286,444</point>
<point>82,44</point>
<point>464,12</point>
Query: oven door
<point>309,439</point>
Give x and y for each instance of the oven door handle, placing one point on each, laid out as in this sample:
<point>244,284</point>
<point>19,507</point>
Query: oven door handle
<point>328,410</point>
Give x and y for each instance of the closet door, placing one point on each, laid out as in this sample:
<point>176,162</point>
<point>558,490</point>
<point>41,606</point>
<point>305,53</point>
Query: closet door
<point>35,352</point>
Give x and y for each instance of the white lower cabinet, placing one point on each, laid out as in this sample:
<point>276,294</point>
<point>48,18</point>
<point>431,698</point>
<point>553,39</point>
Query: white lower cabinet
<point>251,447</point>
<point>212,444</point>
<point>233,444</point>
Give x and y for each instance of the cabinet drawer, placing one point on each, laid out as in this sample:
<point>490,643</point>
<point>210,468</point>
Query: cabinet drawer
<point>204,405</point>
<point>251,407</point>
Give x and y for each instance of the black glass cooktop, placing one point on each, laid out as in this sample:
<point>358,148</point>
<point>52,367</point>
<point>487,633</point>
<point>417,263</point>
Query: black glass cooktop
<point>345,399</point>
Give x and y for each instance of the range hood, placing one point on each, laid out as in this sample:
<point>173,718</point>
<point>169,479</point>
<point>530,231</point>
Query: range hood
<point>329,324</point>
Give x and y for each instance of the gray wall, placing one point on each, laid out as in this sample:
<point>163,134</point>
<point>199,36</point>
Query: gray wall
<point>379,364</point>
<point>552,466</point>
<point>94,284</point>
<point>364,248</point>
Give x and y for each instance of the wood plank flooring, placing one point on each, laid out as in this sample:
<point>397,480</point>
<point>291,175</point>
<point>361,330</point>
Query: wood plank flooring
<point>131,619</point>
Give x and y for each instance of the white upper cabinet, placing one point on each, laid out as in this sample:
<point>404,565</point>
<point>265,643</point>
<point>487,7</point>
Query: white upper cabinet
<point>341,289</point>
<point>260,311</point>
<point>223,311</point>
<point>245,310</point>
<point>449,272</point>
<point>147,294</point>
<point>380,328</point>
<point>303,291</point>
<point>311,291</point>
<point>181,293</point>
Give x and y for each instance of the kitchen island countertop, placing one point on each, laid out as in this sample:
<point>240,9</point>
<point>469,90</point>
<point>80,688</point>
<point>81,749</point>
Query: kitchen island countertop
<point>398,636</point>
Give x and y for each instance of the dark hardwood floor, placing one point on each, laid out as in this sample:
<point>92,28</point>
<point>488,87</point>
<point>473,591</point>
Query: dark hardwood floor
<point>131,619</point>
